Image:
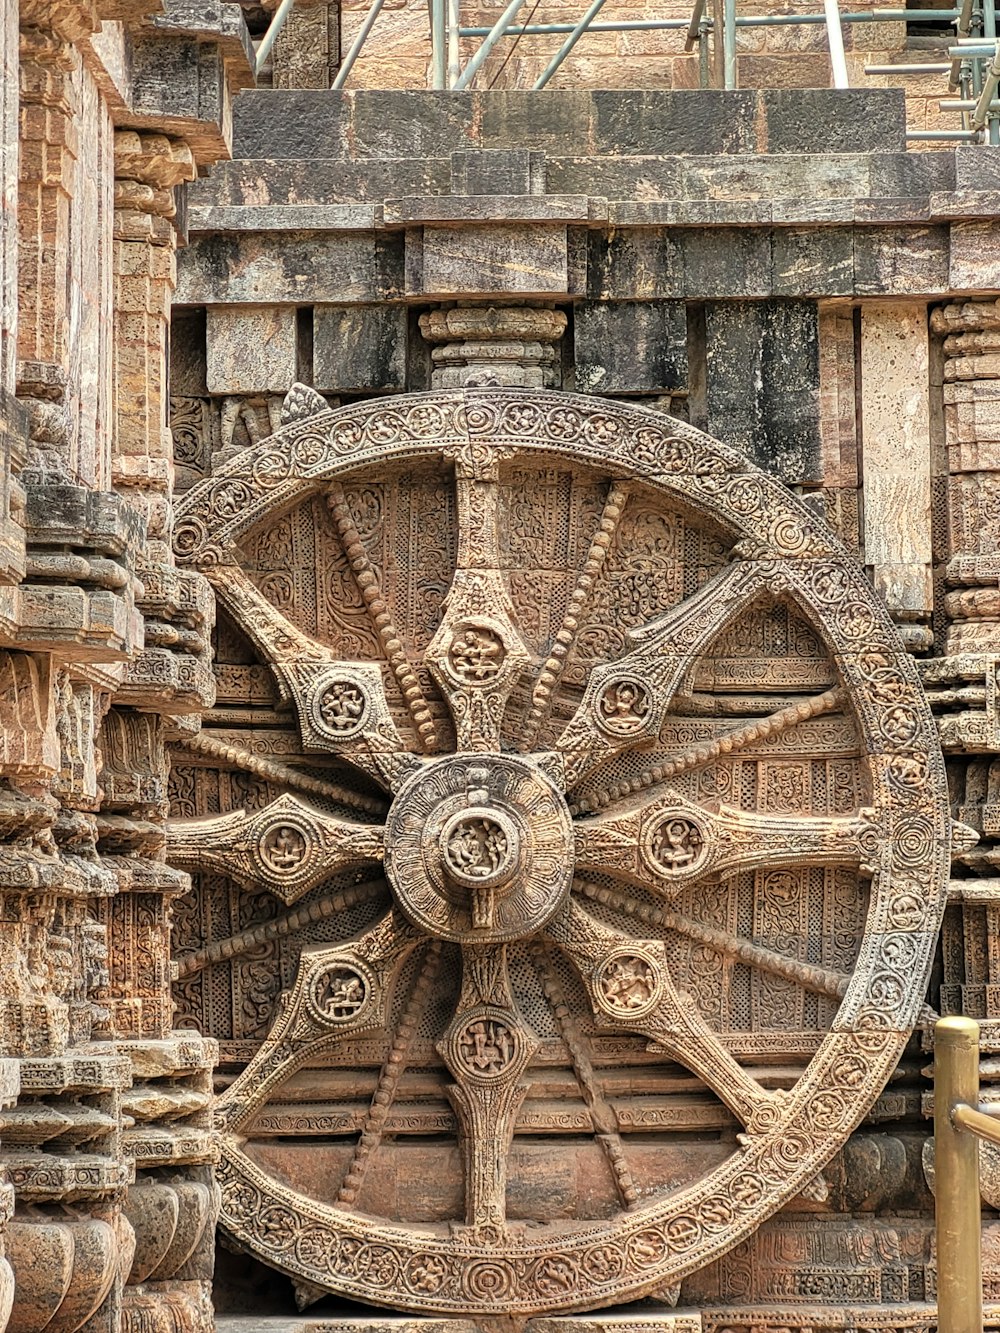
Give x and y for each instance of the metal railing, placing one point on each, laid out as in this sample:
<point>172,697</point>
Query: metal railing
<point>959,1123</point>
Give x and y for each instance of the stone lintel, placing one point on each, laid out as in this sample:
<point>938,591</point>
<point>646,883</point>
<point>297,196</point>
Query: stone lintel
<point>526,259</point>
<point>282,217</point>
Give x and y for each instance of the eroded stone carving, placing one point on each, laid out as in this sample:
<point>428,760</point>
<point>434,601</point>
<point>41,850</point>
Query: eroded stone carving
<point>511,751</point>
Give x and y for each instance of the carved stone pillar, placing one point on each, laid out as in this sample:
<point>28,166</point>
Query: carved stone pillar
<point>9,1085</point>
<point>172,1204</point>
<point>68,1241</point>
<point>68,615</point>
<point>9,108</point>
<point>896,463</point>
<point>49,138</point>
<point>307,52</point>
<point>513,346</point>
<point>972,430</point>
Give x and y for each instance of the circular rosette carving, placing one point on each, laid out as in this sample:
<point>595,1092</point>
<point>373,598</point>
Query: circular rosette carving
<point>675,844</point>
<point>624,707</point>
<point>476,653</point>
<point>480,847</point>
<point>286,847</point>
<point>629,983</point>
<point>645,783</point>
<point>339,992</point>
<point>486,1046</point>
<point>340,708</point>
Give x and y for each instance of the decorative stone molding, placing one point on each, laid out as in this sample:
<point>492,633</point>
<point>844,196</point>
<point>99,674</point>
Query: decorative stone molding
<point>506,347</point>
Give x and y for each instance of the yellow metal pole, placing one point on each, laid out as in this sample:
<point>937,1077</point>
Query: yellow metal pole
<point>956,1178</point>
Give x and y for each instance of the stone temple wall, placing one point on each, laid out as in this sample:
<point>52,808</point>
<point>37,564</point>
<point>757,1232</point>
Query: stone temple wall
<point>771,266</point>
<point>108,111</point>
<point>397,54</point>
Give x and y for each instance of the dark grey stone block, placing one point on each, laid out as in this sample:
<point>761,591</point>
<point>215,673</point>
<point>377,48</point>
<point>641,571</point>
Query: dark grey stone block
<point>417,123</point>
<point>977,167</point>
<point>834,120</point>
<point>901,175</point>
<point>719,262</point>
<point>473,209</point>
<point>178,79</point>
<point>616,177</point>
<point>529,259</point>
<point>812,261</point>
<point>762,383</point>
<point>900,261</point>
<point>282,123</point>
<point>319,181</point>
<point>496,171</point>
<point>799,177</point>
<point>633,264</point>
<point>187,353</point>
<point>673,122</point>
<point>556,121</point>
<point>390,263</point>
<point>879,212</point>
<point>630,346</point>
<point>278,269</point>
<point>359,349</point>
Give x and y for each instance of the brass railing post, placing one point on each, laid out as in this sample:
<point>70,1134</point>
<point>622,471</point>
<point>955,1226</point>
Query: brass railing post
<point>956,1178</point>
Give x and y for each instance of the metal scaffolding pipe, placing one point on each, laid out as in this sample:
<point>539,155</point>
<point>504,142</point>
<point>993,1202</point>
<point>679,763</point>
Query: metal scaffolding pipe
<point>929,135</point>
<point>498,30</point>
<point>271,36</point>
<point>861,16</point>
<point>985,105</point>
<point>454,59</point>
<point>835,37</point>
<point>553,29</point>
<point>729,43</point>
<point>977,106</point>
<point>694,24</point>
<point>348,62</point>
<point>749,21</point>
<point>907,69</point>
<point>439,44</point>
<point>593,9</point>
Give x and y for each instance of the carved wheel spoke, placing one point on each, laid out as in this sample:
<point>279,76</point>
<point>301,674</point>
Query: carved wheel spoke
<point>701,755</point>
<point>342,708</point>
<point>289,846</point>
<point>477,655</point>
<point>670,842</point>
<point>338,992</point>
<point>819,980</point>
<point>487,1048</point>
<point>625,701</point>
<point>630,987</point>
<point>628,541</point>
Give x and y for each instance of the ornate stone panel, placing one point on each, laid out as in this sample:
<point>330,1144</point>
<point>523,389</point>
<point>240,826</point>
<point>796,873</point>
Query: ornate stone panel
<point>574,839</point>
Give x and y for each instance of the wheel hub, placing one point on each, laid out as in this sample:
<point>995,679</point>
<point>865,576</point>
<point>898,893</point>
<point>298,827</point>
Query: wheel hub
<point>479,848</point>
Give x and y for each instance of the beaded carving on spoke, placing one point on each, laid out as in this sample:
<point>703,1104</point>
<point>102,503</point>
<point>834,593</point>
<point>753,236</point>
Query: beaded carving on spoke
<point>578,795</point>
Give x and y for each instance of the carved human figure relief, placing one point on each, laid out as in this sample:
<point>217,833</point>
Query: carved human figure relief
<point>600,831</point>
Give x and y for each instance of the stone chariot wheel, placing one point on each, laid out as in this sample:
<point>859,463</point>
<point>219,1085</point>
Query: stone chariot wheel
<point>624,759</point>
